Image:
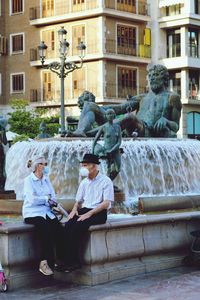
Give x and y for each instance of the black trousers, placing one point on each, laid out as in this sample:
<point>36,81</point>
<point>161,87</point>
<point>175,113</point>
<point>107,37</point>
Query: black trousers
<point>74,231</point>
<point>50,234</point>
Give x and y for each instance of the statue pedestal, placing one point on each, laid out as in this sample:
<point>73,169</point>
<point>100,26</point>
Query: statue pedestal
<point>7,195</point>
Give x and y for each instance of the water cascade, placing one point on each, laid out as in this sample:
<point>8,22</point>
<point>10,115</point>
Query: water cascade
<point>149,167</point>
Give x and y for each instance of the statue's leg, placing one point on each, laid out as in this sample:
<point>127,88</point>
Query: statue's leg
<point>115,165</point>
<point>131,123</point>
<point>99,150</point>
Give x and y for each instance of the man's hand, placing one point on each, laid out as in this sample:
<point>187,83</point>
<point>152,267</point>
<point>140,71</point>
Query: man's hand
<point>85,216</point>
<point>72,214</point>
<point>161,124</point>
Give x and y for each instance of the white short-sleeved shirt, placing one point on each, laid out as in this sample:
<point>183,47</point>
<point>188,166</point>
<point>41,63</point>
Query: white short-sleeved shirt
<point>92,192</point>
<point>35,197</point>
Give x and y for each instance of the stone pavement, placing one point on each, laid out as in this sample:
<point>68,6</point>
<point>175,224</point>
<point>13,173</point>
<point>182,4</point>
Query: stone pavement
<point>178,283</point>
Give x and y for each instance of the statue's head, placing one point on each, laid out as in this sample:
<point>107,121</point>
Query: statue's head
<point>85,96</point>
<point>110,114</point>
<point>158,78</point>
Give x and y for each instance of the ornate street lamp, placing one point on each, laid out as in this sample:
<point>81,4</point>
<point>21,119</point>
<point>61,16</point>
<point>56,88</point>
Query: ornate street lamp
<point>62,68</point>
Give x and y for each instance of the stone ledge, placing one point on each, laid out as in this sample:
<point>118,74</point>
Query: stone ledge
<point>117,249</point>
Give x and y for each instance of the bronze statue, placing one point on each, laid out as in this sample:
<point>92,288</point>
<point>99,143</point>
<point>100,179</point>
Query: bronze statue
<point>85,97</point>
<point>3,141</point>
<point>111,148</point>
<point>157,112</point>
<point>43,131</point>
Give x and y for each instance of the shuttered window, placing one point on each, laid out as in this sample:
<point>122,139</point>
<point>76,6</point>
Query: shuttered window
<point>17,83</point>
<point>16,6</point>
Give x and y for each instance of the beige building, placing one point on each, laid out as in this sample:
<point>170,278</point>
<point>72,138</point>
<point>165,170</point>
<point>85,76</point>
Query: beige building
<point>175,26</point>
<point>115,32</point>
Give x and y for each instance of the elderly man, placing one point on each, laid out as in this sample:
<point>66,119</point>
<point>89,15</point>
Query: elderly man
<point>157,112</point>
<point>93,199</point>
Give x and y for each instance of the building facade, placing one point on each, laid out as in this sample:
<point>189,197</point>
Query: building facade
<point>175,29</point>
<point>117,37</point>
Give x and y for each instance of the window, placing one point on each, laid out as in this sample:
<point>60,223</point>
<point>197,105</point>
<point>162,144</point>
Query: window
<point>127,82</point>
<point>47,8</point>
<point>193,84</point>
<point>197,7</point>
<point>175,81</point>
<point>17,83</point>
<point>17,43</point>
<point>126,40</point>
<point>48,81</point>
<point>49,37</point>
<point>173,10</point>
<point>78,33</point>
<point>78,5</point>
<point>78,79</point>
<point>16,6</point>
<point>173,43</point>
<point>127,5</point>
<point>193,124</point>
<point>193,43</point>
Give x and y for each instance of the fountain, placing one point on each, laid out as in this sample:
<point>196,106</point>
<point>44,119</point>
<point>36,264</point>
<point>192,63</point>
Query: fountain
<point>159,172</point>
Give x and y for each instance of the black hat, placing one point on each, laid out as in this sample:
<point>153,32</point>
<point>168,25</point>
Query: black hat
<point>90,159</point>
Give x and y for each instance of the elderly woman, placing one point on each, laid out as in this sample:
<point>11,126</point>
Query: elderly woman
<point>39,197</point>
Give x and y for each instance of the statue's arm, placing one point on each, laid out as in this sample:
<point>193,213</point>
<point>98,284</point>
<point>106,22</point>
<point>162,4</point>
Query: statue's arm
<point>176,105</point>
<point>97,137</point>
<point>133,103</point>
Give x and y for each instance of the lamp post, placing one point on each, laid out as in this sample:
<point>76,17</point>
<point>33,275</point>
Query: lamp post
<point>62,68</point>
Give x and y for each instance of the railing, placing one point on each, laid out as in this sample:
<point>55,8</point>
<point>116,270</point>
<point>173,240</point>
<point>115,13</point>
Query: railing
<point>61,9</point>
<point>111,47</point>
<point>34,55</point>
<point>141,7</point>
<point>194,94</point>
<point>127,48</point>
<point>193,51</point>
<point>122,92</point>
<point>174,50</point>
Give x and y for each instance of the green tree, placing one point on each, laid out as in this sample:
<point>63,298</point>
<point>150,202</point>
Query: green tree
<point>26,121</point>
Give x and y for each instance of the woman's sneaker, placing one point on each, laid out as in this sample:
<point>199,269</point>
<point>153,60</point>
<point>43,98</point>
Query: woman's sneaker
<point>44,268</point>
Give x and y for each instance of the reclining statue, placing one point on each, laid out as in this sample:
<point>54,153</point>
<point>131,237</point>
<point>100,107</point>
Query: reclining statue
<point>155,114</point>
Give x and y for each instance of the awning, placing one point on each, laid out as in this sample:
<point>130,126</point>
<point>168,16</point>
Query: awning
<point>163,3</point>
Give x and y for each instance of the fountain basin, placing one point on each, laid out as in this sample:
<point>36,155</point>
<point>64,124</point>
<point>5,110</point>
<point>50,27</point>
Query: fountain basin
<point>117,249</point>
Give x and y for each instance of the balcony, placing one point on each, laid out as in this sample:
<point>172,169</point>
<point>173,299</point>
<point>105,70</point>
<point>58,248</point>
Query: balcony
<point>120,92</point>
<point>141,7</point>
<point>127,48</point>
<point>126,52</point>
<point>62,11</point>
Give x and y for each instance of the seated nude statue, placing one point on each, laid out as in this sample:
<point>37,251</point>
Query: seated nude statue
<point>155,114</point>
<point>112,141</point>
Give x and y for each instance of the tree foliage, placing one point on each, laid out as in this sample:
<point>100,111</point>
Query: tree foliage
<point>26,121</point>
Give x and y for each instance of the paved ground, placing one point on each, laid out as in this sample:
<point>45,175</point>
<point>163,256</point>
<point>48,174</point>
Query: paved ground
<point>178,284</point>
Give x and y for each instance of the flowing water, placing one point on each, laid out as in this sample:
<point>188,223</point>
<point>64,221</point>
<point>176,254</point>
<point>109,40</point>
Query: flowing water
<point>149,167</point>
